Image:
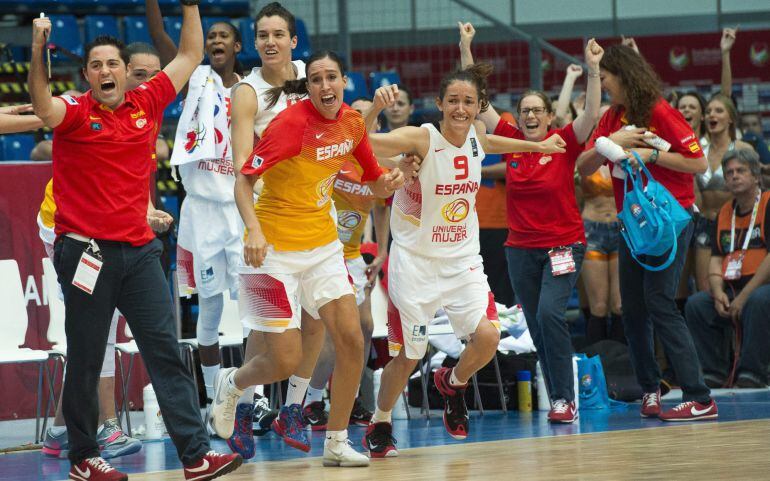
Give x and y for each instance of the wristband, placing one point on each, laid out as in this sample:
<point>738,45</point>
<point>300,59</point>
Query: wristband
<point>653,157</point>
<point>190,3</point>
<point>593,74</point>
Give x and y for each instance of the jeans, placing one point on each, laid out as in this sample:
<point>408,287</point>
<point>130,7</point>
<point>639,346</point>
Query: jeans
<point>709,329</point>
<point>544,298</point>
<point>648,304</point>
<point>132,280</point>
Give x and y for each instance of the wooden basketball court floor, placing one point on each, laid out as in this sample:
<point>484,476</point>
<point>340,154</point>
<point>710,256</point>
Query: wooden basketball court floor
<point>603,445</point>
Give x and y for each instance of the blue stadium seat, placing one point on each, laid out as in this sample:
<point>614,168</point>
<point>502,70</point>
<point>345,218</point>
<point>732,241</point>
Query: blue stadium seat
<point>380,79</point>
<point>248,53</point>
<point>135,28</point>
<point>303,50</point>
<point>16,146</point>
<point>356,87</point>
<point>174,110</point>
<point>173,26</point>
<point>100,25</point>
<point>66,34</point>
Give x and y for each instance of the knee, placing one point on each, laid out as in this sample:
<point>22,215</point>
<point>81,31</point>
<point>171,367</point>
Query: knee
<point>486,337</point>
<point>349,342</point>
<point>402,364</point>
<point>286,364</point>
<point>367,325</point>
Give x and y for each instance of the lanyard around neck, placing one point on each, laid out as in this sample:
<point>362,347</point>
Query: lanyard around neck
<point>751,224</point>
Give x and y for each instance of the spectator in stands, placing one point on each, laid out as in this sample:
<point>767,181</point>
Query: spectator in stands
<point>101,171</point>
<point>399,114</point>
<point>751,126</point>
<point>739,270</point>
<point>546,238</point>
<point>721,137</point>
<point>692,106</point>
<point>647,296</point>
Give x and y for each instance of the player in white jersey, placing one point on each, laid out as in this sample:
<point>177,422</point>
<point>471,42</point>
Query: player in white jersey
<point>209,243</point>
<point>434,260</point>
<point>276,37</point>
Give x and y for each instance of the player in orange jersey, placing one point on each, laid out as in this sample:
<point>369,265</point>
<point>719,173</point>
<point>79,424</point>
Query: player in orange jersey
<point>293,255</point>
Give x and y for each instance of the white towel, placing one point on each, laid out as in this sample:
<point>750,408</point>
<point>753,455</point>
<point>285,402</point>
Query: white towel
<point>203,129</point>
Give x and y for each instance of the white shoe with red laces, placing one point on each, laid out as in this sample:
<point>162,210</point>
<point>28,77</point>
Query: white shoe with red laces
<point>212,465</point>
<point>95,469</point>
<point>691,411</point>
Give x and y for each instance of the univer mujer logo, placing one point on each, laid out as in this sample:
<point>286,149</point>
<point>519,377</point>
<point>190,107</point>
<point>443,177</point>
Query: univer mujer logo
<point>456,211</point>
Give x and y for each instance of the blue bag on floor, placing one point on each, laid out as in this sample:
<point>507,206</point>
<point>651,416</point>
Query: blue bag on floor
<point>592,384</point>
<point>651,217</point>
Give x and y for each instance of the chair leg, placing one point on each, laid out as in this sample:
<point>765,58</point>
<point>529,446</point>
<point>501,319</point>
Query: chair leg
<point>406,406</point>
<point>39,400</point>
<point>424,386</point>
<point>500,383</point>
<point>477,394</point>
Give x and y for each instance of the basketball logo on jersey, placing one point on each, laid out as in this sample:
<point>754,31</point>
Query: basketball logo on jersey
<point>324,188</point>
<point>455,211</point>
<point>348,219</point>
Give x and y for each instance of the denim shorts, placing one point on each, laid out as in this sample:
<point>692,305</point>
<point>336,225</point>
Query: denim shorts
<point>601,239</point>
<point>704,231</point>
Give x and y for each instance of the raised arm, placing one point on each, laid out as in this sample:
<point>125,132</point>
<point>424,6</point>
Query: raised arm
<point>490,117</point>
<point>574,71</point>
<point>404,140</point>
<point>190,53</point>
<point>584,124</point>
<point>49,110</point>
<point>243,111</point>
<point>497,144</point>
<point>160,38</point>
<point>725,45</point>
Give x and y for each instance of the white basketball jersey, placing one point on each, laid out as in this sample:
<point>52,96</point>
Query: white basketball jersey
<point>213,179</point>
<point>260,86</point>
<point>435,216</point>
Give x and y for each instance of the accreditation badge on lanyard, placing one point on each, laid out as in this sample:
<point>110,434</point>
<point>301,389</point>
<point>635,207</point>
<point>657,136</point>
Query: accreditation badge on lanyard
<point>89,267</point>
<point>734,261</point>
<point>561,261</point>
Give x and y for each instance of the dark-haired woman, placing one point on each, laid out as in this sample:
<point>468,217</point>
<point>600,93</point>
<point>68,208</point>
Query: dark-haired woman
<point>293,247</point>
<point>434,261</point>
<point>647,296</point>
<point>546,238</point>
<point>209,238</point>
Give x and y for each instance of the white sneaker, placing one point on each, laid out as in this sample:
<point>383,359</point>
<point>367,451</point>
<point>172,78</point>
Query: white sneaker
<point>342,454</point>
<point>223,406</point>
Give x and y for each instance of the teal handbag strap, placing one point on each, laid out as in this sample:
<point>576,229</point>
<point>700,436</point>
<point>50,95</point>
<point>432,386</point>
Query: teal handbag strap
<point>667,262</point>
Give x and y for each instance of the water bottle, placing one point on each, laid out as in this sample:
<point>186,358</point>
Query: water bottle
<point>524,387</point>
<point>543,401</point>
<point>153,419</point>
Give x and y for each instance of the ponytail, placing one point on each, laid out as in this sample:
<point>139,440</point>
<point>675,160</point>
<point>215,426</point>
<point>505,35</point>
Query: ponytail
<point>297,86</point>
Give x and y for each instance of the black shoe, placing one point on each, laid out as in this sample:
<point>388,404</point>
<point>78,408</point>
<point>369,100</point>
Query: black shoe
<point>747,380</point>
<point>713,382</point>
<point>379,441</point>
<point>315,416</point>
<point>455,410</point>
<point>359,415</point>
<point>263,416</point>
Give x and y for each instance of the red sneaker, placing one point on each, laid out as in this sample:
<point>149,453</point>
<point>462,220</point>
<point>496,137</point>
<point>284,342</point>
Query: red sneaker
<point>455,410</point>
<point>691,411</point>
<point>212,465</point>
<point>651,404</point>
<point>95,469</point>
<point>379,441</point>
<point>562,412</point>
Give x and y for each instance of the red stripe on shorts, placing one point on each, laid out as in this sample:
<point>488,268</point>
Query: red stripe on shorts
<point>395,333</point>
<point>265,296</point>
<point>492,308</point>
<point>184,267</point>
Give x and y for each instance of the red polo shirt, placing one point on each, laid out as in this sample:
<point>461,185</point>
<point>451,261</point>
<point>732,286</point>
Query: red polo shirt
<point>541,204</point>
<point>102,161</point>
<point>667,123</point>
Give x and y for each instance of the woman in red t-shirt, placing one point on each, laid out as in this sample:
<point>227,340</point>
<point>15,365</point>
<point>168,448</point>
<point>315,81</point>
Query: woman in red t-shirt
<point>546,239</point>
<point>647,296</point>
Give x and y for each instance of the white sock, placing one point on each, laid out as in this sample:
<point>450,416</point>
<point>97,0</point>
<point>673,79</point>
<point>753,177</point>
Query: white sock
<point>314,395</point>
<point>337,436</point>
<point>231,381</point>
<point>58,430</point>
<point>209,373</point>
<point>453,381</point>
<point>248,396</point>
<point>296,391</point>
<point>382,416</point>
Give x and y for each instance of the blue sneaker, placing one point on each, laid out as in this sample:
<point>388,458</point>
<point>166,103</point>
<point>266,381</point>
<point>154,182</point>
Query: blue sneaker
<point>113,441</point>
<point>290,426</point>
<point>242,440</point>
<point>56,446</point>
